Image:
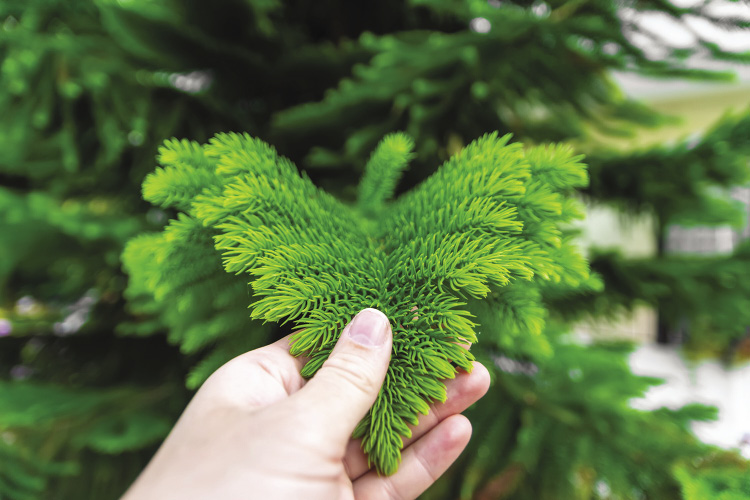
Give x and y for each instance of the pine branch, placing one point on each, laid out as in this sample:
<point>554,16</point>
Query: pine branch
<point>383,171</point>
<point>483,226</point>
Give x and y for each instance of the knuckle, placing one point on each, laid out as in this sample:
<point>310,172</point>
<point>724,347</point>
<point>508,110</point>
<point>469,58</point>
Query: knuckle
<point>427,467</point>
<point>354,371</point>
<point>222,386</point>
<point>391,491</point>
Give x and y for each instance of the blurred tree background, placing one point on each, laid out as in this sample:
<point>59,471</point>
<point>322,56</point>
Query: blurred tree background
<point>93,373</point>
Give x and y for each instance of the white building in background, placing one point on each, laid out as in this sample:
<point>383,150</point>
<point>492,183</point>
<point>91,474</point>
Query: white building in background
<point>710,240</point>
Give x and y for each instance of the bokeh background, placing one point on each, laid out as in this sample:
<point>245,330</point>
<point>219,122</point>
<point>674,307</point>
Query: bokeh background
<point>639,390</point>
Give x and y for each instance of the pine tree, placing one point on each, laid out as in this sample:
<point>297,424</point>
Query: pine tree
<point>89,91</point>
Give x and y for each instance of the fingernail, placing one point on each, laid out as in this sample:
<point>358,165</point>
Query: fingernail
<point>369,328</point>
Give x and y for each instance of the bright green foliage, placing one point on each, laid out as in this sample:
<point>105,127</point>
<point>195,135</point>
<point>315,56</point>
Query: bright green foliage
<point>486,225</point>
<point>383,172</point>
<point>178,273</point>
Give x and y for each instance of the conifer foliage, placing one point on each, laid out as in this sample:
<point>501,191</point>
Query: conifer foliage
<point>486,223</point>
<point>90,88</point>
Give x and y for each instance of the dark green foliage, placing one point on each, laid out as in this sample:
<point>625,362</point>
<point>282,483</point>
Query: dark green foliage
<point>53,432</point>
<point>720,476</point>
<point>440,78</point>
<point>567,429</point>
<point>23,476</point>
<point>673,182</point>
<point>707,292</point>
<point>684,183</point>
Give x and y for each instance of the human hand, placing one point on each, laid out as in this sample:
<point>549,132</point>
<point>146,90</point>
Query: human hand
<point>257,429</point>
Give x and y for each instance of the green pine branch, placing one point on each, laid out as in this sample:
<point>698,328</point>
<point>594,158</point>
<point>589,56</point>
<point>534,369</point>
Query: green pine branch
<point>485,224</point>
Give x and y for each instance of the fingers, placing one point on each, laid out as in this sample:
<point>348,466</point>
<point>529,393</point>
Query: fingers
<point>423,462</point>
<point>257,378</point>
<point>345,387</point>
<point>462,392</point>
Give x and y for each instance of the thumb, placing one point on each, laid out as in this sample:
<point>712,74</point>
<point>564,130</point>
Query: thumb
<point>345,387</point>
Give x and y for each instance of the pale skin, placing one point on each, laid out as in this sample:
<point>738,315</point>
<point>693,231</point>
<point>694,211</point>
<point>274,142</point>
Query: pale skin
<point>257,429</point>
